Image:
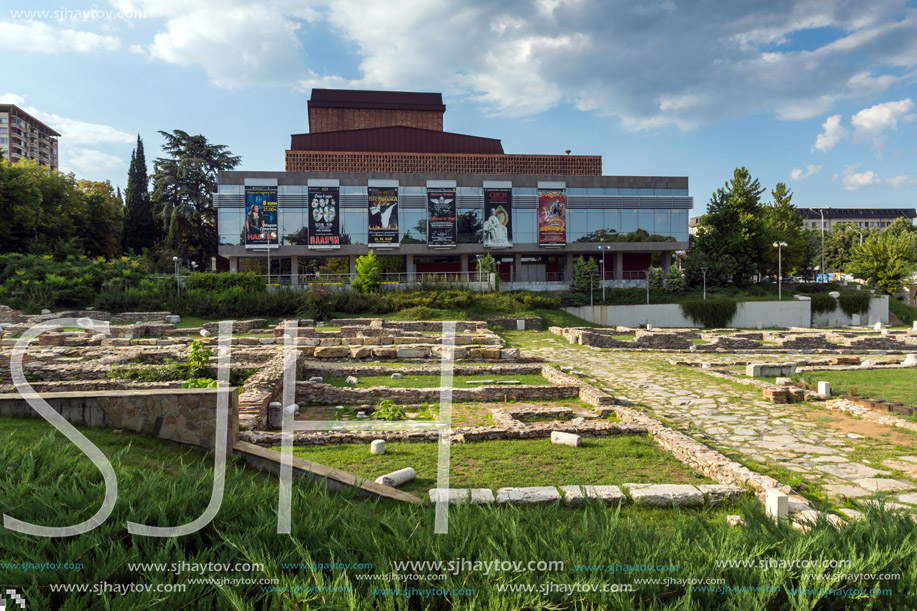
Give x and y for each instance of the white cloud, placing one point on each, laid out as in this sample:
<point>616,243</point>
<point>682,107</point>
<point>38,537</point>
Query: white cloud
<point>854,181</point>
<point>236,43</point>
<point>903,180</point>
<point>73,132</point>
<point>89,162</point>
<point>832,133</point>
<point>800,174</point>
<point>40,37</point>
<point>871,124</point>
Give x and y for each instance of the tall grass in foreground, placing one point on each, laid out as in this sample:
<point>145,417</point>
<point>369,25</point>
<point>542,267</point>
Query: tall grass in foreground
<point>46,480</point>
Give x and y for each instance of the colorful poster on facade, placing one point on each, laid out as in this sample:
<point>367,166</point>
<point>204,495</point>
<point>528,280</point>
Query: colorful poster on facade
<point>552,217</point>
<point>441,220</point>
<point>498,218</point>
<point>260,226</point>
<point>324,217</point>
<point>383,216</point>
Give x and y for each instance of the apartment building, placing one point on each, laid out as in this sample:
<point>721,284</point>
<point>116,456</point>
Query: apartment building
<point>22,136</point>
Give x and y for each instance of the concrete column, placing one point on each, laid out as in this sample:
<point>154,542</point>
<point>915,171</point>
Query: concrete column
<point>233,264</point>
<point>517,267</point>
<point>463,264</point>
<point>294,271</point>
<point>353,264</point>
<point>666,260</point>
<point>409,267</point>
<point>619,266</point>
<point>568,268</point>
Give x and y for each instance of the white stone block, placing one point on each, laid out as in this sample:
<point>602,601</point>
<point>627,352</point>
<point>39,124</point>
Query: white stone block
<point>352,380</point>
<point>397,478</point>
<point>776,503</point>
<point>316,379</point>
<point>736,521</point>
<point>46,311</point>
<point>910,360</point>
<point>566,439</point>
<point>878,326</point>
<point>824,389</point>
<point>397,376</point>
<point>520,325</point>
<point>576,496</point>
<point>534,495</point>
<point>455,496</point>
<point>173,319</point>
<point>718,493</point>
<point>855,320</point>
<point>783,381</point>
<point>205,333</point>
<point>753,370</point>
<point>665,495</point>
<point>377,447</point>
<point>914,325</point>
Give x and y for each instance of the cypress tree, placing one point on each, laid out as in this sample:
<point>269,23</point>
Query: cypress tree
<point>139,225</point>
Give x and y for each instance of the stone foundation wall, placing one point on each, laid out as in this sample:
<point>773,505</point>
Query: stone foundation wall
<point>309,369</point>
<point>411,325</point>
<point>314,393</point>
<point>511,324</point>
<point>182,415</point>
<point>459,435</point>
<point>587,392</point>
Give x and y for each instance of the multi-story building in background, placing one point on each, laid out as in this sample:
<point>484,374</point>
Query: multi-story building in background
<point>22,136</point>
<point>867,218</point>
<point>377,170</point>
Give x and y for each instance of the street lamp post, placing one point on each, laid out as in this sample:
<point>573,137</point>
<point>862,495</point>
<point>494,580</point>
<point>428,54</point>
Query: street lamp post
<point>603,248</point>
<point>704,270</point>
<point>861,235</point>
<point>177,282</point>
<point>646,273</point>
<point>591,286</point>
<point>824,276</point>
<point>779,246</point>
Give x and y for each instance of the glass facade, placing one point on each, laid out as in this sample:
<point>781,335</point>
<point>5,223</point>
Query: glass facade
<point>593,215</point>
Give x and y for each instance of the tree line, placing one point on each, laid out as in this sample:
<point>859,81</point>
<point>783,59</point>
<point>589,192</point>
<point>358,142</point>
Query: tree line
<point>735,241</point>
<point>48,212</point>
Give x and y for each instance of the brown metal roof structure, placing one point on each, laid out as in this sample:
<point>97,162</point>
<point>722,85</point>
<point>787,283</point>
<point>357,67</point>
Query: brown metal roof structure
<point>387,100</point>
<point>396,139</point>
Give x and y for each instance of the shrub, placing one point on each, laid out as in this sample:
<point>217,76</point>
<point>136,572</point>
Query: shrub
<point>199,383</point>
<point>369,273</point>
<point>655,278</point>
<point>712,313</point>
<point>674,281</point>
<point>855,302</point>
<point>387,410</point>
<point>822,303</point>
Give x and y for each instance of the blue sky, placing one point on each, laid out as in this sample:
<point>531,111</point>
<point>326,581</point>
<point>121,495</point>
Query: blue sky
<point>820,94</point>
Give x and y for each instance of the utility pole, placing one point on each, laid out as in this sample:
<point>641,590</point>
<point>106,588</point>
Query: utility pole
<point>824,276</point>
<point>779,246</point>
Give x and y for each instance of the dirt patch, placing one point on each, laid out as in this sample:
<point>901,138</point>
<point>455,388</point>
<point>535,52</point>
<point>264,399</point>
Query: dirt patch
<point>845,423</point>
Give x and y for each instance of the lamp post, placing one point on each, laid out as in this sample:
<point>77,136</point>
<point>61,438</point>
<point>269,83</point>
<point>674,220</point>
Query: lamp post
<point>603,248</point>
<point>177,284</point>
<point>591,286</point>
<point>779,246</point>
<point>824,276</point>
<point>861,235</point>
<point>704,270</point>
<point>646,273</point>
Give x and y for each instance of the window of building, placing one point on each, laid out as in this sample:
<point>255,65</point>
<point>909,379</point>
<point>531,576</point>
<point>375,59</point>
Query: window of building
<point>4,140</point>
<point>354,225</point>
<point>293,226</point>
<point>229,225</point>
<point>413,226</point>
<point>524,227</point>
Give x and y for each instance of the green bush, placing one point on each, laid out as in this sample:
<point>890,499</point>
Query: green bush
<point>822,303</point>
<point>712,313</point>
<point>387,410</point>
<point>855,302</point>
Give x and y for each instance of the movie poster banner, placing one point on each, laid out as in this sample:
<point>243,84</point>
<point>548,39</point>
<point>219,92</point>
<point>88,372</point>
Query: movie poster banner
<point>441,220</point>
<point>260,217</point>
<point>498,218</point>
<point>383,216</point>
<point>552,217</point>
<point>324,217</point>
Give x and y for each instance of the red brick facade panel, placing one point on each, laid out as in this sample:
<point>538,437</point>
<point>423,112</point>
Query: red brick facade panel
<point>338,119</point>
<point>419,163</point>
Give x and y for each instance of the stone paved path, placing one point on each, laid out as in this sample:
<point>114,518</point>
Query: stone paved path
<point>732,418</point>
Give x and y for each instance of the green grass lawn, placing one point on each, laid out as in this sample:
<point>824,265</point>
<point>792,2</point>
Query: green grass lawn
<point>433,381</point>
<point>48,481</point>
<point>497,464</point>
<point>899,385</point>
<point>188,322</point>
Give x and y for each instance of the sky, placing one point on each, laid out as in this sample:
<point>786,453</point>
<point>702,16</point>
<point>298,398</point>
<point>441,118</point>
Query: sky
<point>818,94</point>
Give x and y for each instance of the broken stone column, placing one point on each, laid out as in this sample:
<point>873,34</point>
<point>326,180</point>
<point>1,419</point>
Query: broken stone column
<point>377,447</point>
<point>566,439</point>
<point>776,504</point>
<point>397,478</point>
<point>824,389</point>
